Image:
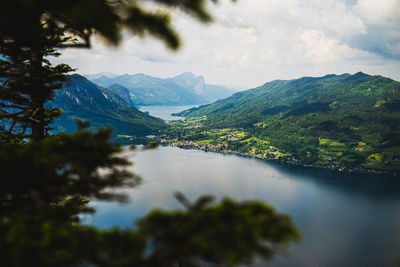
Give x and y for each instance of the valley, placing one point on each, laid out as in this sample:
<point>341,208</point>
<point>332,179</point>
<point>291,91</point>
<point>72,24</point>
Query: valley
<point>338,122</point>
<point>346,123</point>
<point>200,133</point>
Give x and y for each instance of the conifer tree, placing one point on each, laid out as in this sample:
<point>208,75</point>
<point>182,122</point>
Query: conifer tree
<point>47,180</point>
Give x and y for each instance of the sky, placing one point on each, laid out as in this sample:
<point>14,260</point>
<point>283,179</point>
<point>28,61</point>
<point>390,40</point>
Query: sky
<point>252,42</point>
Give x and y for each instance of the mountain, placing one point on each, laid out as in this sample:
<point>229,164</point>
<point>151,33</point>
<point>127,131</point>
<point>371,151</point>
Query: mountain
<point>80,98</point>
<point>98,75</point>
<point>344,120</point>
<point>191,82</point>
<point>119,94</point>
<point>147,90</point>
<point>210,93</point>
<point>184,89</point>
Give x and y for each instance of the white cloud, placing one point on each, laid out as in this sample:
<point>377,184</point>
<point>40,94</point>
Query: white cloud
<point>318,48</point>
<point>379,12</point>
<point>254,41</point>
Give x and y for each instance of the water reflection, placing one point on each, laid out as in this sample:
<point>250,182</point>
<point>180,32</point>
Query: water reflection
<point>345,220</point>
<point>164,112</point>
<point>375,186</point>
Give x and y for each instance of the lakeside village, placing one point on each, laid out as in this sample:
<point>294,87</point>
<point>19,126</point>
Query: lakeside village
<point>219,146</point>
<point>191,134</point>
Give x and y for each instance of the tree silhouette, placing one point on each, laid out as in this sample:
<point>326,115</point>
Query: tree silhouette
<point>32,30</point>
<point>47,179</point>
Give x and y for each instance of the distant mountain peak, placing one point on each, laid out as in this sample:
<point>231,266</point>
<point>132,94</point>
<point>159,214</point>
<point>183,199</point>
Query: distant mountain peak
<point>188,75</point>
<point>185,88</point>
<point>330,76</point>
<point>100,74</point>
<point>77,76</point>
<point>191,81</point>
<point>360,74</point>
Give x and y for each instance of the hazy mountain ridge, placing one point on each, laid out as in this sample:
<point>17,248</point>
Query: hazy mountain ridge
<point>335,119</point>
<point>98,75</point>
<point>210,93</point>
<point>184,89</point>
<point>119,94</point>
<point>80,98</point>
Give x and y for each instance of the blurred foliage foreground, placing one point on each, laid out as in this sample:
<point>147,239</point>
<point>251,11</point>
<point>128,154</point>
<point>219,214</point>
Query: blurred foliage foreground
<point>47,180</point>
<point>46,184</point>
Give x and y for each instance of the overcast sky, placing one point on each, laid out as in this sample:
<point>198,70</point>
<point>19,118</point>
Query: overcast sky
<point>255,41</point>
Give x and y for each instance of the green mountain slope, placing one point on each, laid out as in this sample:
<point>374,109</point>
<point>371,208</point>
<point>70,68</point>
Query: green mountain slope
<point>79,98</point>
<point>332,121</point>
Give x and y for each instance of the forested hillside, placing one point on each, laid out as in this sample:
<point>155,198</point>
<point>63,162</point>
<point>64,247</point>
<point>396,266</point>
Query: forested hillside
<point>332,121</point>
<point>80,98</point>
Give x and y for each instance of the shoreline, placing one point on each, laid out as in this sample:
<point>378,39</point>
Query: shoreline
<point>282,160</point>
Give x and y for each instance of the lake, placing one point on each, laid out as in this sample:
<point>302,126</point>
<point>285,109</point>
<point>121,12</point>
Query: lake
<point>345,220</point>
<point>164,112</point>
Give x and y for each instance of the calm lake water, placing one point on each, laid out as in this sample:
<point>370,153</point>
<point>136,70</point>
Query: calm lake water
<point>164,112</point>
<point>345,220</point>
